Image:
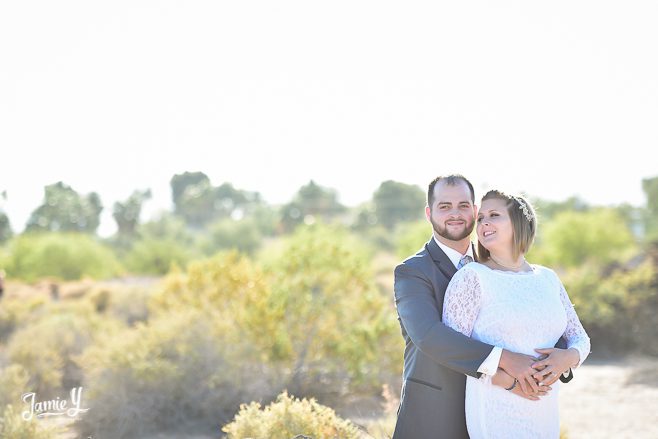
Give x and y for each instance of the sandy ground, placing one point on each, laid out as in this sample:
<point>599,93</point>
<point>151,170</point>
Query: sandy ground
<point>609,399</point>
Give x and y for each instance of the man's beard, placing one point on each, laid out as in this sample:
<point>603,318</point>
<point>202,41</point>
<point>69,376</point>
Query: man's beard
<point>443,231</point>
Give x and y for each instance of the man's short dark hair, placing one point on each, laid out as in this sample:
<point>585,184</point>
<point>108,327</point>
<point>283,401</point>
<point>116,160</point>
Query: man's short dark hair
<point>450,180</point>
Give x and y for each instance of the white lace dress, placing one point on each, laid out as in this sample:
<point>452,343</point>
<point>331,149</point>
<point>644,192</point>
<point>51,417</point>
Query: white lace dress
<point>518,312</point>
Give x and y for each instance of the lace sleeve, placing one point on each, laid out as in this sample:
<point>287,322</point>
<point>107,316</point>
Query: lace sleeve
<point>461,303</point>
<point>575,333</point>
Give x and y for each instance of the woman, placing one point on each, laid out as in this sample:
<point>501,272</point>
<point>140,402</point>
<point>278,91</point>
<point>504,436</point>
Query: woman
<point>505,301</point>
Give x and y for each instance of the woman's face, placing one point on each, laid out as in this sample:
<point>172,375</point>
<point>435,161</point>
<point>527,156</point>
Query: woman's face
<point>494,226</point>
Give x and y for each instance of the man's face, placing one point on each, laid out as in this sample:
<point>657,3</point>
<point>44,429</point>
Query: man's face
<point>452,213</point>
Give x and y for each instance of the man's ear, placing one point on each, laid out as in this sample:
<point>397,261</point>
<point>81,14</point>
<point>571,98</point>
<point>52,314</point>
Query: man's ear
<point>475,211</point>
<point>428,213</point>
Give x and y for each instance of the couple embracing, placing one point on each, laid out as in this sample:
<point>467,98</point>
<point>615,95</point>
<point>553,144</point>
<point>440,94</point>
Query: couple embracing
<point>488,335</point>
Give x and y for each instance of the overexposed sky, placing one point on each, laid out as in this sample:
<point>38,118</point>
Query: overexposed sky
<point>551,98</point>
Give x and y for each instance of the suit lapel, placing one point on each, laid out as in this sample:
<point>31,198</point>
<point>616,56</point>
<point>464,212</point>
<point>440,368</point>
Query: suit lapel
<point>441,260</point>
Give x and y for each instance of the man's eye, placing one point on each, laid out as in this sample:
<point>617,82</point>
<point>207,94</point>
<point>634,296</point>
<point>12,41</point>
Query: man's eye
<point>479,219</point>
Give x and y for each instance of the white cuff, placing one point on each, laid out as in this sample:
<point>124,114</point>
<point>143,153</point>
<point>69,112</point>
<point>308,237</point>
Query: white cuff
<point>490,365</point>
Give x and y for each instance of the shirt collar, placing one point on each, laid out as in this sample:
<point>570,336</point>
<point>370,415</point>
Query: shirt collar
<point>453,254</point>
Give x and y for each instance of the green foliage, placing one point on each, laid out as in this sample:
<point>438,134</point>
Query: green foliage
<point>547,210</point>
<point>242,235</point>
<point>14,381</point>
<point>396,202</point>
<point>231,291</point>
<point>311,203</point>
<point>287,418</point>
<point>128,304</point>
<point>156,256</point>
<point>65,256</point>
<point>332,321</point>
<point>5,228</point>
<point>15,313</point>
<point>46,347</point>
<point>198,202</point>
<point>650,187</point>
<point>410,237</point>
<point>126,214</point>
<point>618,310</point>
<point>12,425</point>
<point>63,209</point>
<point>176,370</point>
<point>572,238</point>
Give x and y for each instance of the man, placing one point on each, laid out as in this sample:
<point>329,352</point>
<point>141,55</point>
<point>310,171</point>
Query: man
<point>436,358</point>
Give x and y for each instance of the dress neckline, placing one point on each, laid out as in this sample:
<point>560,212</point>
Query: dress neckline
<point>533,270</point>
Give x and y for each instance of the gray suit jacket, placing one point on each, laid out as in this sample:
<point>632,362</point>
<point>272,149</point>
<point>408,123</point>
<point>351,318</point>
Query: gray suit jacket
<point>436,358</point>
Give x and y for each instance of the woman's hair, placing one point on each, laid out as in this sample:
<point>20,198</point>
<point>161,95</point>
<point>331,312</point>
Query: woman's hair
<point>524,223</point>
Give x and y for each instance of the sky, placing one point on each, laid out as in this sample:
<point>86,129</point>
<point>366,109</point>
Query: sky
<point>554,99</point>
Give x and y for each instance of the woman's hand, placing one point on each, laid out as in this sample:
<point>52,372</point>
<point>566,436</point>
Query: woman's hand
<point>556,362</point>
<point>505,380</point>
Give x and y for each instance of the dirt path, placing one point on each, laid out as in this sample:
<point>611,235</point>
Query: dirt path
<point>612,400</point>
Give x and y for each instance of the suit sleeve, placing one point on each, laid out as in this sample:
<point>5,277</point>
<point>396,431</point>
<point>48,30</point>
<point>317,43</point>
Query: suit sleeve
<point>421,318</point>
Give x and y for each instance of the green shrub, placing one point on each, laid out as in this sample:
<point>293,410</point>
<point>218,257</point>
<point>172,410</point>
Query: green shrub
<point>410,237</point>
<point>617,309</point>
<point>287,418</point>
<point>15,313</point>
<point>46,347</point>
<point>175,372</point>
<point>64,256</point>
<point>242,235</point>
<point>156,256</point>
<point>13,426</point>
<point>125,303</point>
<point>333,328</point>
<point>600,236</point>
<point>14,382</point>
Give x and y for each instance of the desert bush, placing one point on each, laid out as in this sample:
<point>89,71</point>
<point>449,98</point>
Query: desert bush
<point>242,235</point>
<point>600,236</point>
<point>167,374</point>
<point>64,256</point>
<point>46,347</point>
<point>15,313</point>
<point>14,381</point>
<point>156,256</point>
<point>617,309</point>
<point>13,426</point>
<point>288,417</point>
<point>334,329</point>
<point>126,304</point>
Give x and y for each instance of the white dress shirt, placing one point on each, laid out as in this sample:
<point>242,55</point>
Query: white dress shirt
<point>490,365</point>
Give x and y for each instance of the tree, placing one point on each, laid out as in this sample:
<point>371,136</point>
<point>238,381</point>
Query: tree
<point>194,199</point>
<point>312,202</point>
<point>650,188</point>
<point>63,209</point>
<point>397,202</point>
<point>546,209</point>
<point>198,202</point>
<point>126,214</point>
<point>5,226</point>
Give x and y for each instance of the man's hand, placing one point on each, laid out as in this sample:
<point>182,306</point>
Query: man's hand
<point>554,362</point>
<point>519,366</point>
<point>505,380</point>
